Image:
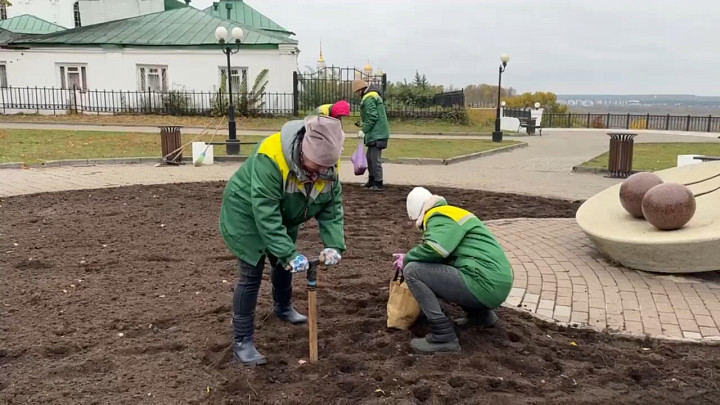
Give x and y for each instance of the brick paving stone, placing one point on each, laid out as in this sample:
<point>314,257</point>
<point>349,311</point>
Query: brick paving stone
<point>688,325</point>
<point>580,317</point>
<point>692,335</point>
<point>634,327</point>
<point>706,321</point>
<point>705,331</point>
<point>672,331</point>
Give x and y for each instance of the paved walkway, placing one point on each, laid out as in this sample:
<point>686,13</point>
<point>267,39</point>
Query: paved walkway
<point>559,276</point>
<point>543,168</point>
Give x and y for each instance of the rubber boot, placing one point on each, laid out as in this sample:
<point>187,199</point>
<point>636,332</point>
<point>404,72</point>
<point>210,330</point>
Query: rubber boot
<point>378,186</point>
<point>370,183</point>
<point>245,352</point>
<point>441,339</point>
<point>283,308</point>
<point>483,318</point>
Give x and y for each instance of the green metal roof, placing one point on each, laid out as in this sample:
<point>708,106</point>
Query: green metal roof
<point>28,24</point>
<point>242,13</point>
<point>182,27</point>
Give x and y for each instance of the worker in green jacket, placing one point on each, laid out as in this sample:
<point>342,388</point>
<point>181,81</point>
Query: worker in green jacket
<point>375,130</point>
<point>460,261</point>
<point>291,177</point>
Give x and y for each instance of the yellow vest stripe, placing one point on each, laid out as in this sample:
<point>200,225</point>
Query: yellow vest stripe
<point>458,215</point>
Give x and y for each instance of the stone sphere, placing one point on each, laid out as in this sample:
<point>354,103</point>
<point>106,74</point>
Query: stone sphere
<point>669,206</point>
<point>633,190</point>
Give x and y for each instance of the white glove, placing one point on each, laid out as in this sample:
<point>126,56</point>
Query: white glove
<point>361,134</point>
<point>330,256</point>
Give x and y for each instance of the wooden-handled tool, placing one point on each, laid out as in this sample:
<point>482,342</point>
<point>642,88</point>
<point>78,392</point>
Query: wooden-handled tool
<point>312,309</point>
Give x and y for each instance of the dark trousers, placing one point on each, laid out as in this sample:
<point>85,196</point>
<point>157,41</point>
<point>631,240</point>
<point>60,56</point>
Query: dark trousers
<point>374,156</point>
<point>246,293</point>
<point>428,281</point>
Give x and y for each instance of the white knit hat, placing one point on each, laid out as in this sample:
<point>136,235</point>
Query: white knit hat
<point>415,201</point>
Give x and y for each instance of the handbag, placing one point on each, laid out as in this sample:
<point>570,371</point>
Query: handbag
<point>402,307</point>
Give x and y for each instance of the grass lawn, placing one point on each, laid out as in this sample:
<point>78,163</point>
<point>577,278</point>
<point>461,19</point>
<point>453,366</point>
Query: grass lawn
<point>34,146</point>
<point>480,121</point>
<point>658,156</point>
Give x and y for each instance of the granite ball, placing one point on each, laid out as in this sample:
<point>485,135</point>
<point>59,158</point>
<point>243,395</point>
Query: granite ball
<point>633,190</point>
<point>669,206</point>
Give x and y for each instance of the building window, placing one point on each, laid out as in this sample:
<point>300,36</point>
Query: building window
<point>237,74</point>
<point>76,14</point>
<point>152,77</point>
<point>73,77</point>
<point>3,75</point>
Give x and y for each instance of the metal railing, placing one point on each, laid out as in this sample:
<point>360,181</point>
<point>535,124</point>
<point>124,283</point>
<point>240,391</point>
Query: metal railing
<point>667,122</point>
<point>52,100</point>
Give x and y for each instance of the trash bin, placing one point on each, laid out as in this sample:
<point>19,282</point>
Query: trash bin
<point>171,141</point>
<point>621,154</point>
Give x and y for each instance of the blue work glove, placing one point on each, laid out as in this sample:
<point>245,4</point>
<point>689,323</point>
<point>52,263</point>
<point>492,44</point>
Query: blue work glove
<point>298,264</point>
<point>330,256</point>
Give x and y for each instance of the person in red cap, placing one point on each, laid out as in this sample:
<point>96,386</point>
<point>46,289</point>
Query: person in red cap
<point>337,110</point>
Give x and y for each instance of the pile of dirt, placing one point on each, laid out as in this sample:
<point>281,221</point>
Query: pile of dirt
<point>123,296</point>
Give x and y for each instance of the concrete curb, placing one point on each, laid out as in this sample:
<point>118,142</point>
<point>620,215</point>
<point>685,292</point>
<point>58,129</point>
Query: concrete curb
<point>595,170</point>
<point>12,165</point>
<point>463,158</point>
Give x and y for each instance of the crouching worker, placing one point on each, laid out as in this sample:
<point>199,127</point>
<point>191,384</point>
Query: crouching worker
<point>460,261</point>
<point>290,178</point>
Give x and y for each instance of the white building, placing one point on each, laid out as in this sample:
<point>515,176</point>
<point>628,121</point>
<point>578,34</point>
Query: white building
<point>118,63</point>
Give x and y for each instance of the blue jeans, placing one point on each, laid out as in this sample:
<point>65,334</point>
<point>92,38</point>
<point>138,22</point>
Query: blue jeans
<point>428,281</point>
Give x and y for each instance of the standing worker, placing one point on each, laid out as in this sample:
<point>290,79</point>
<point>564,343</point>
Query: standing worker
<point>290,178</point>
<point>337,110</point>
<point>460,261</point>
<point>375,130</point>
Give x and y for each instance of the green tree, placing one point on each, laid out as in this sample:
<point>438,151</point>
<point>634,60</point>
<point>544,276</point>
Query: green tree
<point>547,100</point>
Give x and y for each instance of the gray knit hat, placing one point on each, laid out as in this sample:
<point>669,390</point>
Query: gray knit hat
<point>323,141</point>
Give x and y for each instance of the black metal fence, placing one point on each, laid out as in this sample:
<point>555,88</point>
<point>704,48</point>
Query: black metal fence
<point>67,101</point>
<point>666,122</point>
<point>450,99</point>
<point>50,100</point>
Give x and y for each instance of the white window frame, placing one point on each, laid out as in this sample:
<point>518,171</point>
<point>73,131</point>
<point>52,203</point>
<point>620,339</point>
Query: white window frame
<point>145,71</point>
<point>3,75</point>
<point>241,70</point>
<point>64,69</point>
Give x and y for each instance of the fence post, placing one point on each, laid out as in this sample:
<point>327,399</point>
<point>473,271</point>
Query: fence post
<point>588,121</point>
<point>74,97</point>
<point>384,83</point>
<point>627,122</point>
<point>647,122</point>
<point>150,99</point>
<point>687,124</point>
<point>667,122</point>
<point>709,122</point>
<point>551,119</point>
<point>296,96</point>
<point>607,124</point>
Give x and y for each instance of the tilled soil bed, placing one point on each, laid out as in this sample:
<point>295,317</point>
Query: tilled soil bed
<point>123,296</point>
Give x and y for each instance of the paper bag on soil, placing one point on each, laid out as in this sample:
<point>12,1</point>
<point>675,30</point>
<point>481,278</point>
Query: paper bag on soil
<point>402,307</point>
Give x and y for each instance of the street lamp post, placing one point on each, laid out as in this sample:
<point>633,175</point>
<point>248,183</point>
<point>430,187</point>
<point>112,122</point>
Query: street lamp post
<point>497,135</point>
<point>221,33</point>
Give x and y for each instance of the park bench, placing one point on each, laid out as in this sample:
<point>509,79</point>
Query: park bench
<point>529,119</point>
<point>707,158</point>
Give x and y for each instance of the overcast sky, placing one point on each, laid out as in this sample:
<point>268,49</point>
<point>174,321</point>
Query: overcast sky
<point>564,46</point>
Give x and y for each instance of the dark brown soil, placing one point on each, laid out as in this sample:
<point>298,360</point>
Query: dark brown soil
<point>123,296</point>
